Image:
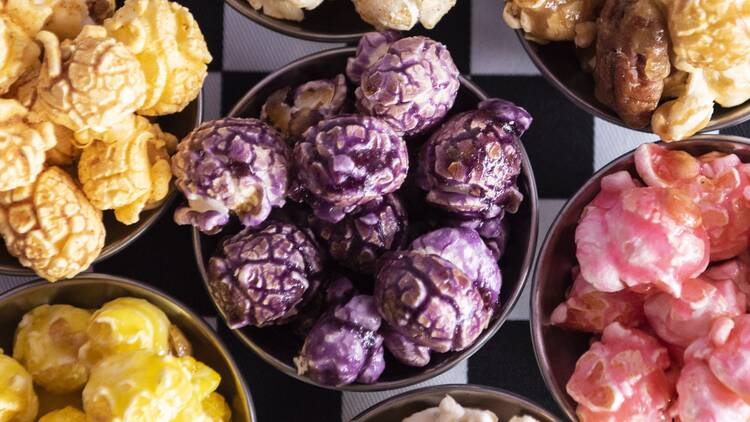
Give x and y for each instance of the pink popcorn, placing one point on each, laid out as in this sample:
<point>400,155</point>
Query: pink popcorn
<point>718,183</point>
<point>681,321</point>
<point>703,398</point>
<point>736,270</point>
<point>622,376</point>
<point>730,359</point>
<point>631,236</point>
<point>587,309</point>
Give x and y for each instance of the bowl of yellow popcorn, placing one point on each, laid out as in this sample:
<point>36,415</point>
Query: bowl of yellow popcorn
<point>103,348</point>
<point>674,69</point>
<point>341,21</point>
<point>92,102</point>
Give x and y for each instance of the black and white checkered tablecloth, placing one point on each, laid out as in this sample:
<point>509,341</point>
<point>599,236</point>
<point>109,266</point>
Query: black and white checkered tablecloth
<point>565,144</point>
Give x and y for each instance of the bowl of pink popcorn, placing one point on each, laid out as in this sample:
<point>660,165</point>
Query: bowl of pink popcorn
<point>640,296</point>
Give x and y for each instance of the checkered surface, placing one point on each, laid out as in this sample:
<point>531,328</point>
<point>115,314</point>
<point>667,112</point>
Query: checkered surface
<point>565,144</point>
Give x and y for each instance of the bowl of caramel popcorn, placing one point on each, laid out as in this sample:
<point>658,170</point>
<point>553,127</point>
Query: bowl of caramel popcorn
<point>341,21</point>
<point>90,115</point>
<point>674,68</point>
<point>89,349</point>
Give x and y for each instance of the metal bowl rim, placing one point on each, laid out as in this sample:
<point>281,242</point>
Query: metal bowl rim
<point>127,283</point>
<point>499,393</point>
<point>118,246</point>
<point>714,124</point>
<point>277,25</point>
<point>537,337</point>
<point>487,334</point>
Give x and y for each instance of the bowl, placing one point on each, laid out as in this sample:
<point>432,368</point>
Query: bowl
<point>277,345</point>
<point>557,350</point>
<point>93,290</point>
<point>558,63</point>
<point>503,403</point>
<point>316,26</point>
<point>119,235</point>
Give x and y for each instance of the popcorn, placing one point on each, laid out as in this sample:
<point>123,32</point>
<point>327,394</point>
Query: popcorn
<point>66,414</point>
<point>18,402</point>
<point>552,20</point>
<point>130,174</point>
<point>18,51</point>
<point>402,15</point>
<point>64,18</point>
<point>50,226</point>
<point>285,9</point>
<point>22,145</point>
<point>688,114</point>
<point>47,343</point>
<point>166,40</point>
<point>91,84</point>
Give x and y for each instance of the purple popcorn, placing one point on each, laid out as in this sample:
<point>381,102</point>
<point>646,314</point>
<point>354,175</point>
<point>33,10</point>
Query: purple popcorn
<point>470,165</point>
<point>405,350</point>
<point>293,111</point>
<point>372,46</point>
<point>358,240</point>
<point>429,300</point>
<point>347,161</point>
<point>262,277</point>
<point>412,86</point>
<point>465,249</point>
<point>336,292</point>
<point>230,165</point>
<point>344,345</point>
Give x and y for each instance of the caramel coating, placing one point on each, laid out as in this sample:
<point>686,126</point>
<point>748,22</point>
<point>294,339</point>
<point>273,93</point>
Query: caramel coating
<point>64,18</point>
<point>711,34</point>
<point>47,343</point>
<point>66,414</point>
<point>18,401</point>
<point>22,145</point>
<point>50,226</point>
<point>130,174</point>
<point>166,40</point>
<point>90,85</point>
<point>65,152</point>
<point>686,115</point>
<point>18,52</point>
<point>730,87</point>
<point>632,59</point>
<point>551,20</point>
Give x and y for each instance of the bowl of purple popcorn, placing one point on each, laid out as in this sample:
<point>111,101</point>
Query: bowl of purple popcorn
<point>366,218</point>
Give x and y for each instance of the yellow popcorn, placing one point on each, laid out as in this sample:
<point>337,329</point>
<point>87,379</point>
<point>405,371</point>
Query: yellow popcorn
<point>203,406</point>
<point>90,85</point>
<point>293,10</point>
<point>65,18</point>
<point>553,20</point>
<point>18,402</point>
<point>47,343</point>
<point>18,51</point>
<point>402,15</point>
<point>65,152</point>
<point>50,226</point>
<point>710,34</point>
<point>24,88</point>
<point>22,145</point>
<point>128,175</point>
<point>688,114</point>
<point>168,43</point>
<point>125,324</point>
<point>213,408</point>
<point>66,414</point>
<point>138,386</point>
<point>730,87</point>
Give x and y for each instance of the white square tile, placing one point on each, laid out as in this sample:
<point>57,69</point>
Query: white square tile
<point>495,49</point>
<point>611,141</point>
<point>252,48</point>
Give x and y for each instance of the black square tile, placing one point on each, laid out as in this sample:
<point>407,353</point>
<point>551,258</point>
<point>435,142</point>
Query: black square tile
<point>742,129</point>
<point>454,30</point>
<point>210,17</point>
<point>235,85</point>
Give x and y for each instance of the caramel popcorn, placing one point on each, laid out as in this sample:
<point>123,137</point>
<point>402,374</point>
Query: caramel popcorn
<point>65,152</point>
<point>66,414</point>
<point>130,174</point>
<point>18,51</point>
<point>403,14</point>
<point>64,18</point>
<point>285,9</point>
<point>50,226</point>
<point>552,20</point>
<point>170,47</point>
<point>710,34</point>
<point>686,115</point>
<point>22,145</point>
<point>18,402</point>
<point>730,87</point>
<point>90,85</point>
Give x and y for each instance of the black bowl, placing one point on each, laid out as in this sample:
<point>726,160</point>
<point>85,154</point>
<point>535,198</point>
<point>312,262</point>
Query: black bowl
<point>278,345</point>
<point>557,350</point>
<point>119,235</point>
